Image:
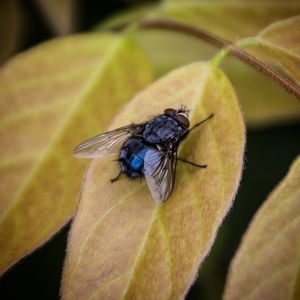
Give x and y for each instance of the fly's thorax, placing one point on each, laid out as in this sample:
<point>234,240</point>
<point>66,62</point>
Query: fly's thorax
<point>161,130</point>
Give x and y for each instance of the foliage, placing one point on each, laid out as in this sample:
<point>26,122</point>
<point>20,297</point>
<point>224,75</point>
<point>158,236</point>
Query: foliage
<point>267,264</point>
<point>122,244</point>
<point>46,109</point>
<point>149,243</point>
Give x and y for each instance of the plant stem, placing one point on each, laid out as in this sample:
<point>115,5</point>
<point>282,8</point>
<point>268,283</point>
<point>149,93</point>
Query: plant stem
<point>202,34</point>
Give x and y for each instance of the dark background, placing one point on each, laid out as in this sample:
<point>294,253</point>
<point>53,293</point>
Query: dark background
<point>268,156</point>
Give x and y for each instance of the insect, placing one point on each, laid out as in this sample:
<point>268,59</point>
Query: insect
<point>146,150</point>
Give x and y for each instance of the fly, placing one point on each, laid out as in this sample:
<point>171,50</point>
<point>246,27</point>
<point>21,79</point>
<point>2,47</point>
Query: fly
<point>146,150</point>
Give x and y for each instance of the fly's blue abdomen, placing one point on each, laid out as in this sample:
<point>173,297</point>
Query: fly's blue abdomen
<point>132,157</point>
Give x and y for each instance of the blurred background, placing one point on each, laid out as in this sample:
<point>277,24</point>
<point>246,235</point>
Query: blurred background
<point>26,23</point>
<point>270,151</point>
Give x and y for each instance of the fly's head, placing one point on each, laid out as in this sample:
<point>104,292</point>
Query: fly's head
<point>179,115</point>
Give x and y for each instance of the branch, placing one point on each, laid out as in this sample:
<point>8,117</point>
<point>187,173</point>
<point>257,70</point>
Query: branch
<point>202,34</point>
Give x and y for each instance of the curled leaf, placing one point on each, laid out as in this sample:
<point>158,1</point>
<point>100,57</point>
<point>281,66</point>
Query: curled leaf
<point>124,245</point>
<point>51,98</point>
<point>266,265</point>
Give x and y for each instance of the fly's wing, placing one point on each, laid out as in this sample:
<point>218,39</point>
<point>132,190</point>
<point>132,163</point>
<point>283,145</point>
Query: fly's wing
<point>107,143</point>
<point>159,171</point>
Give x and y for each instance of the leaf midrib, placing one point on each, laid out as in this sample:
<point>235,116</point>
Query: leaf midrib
<point>159,207</point>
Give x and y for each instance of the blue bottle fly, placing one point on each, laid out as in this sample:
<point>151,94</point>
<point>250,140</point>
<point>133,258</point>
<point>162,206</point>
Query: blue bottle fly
<point>146,150</point>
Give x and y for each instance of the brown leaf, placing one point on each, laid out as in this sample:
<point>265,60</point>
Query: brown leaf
<point>11,27</point>
<point>266,265</point>
<point>51,98</point>
<point>123,244</point>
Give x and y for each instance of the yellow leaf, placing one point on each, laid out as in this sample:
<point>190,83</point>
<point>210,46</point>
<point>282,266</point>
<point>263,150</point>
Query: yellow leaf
<point>124,245</point>
<point>263,102</point>
<point>266,265</point>
<point>281,41</point>
<point>51,98</point>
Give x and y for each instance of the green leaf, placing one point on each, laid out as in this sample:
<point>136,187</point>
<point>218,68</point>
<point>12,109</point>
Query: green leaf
<point>229,20</point>
<point>124,245</point>
<point>263,101</point>
<point>267,263</point>
<point>51,98</point>
<point>169,49</point>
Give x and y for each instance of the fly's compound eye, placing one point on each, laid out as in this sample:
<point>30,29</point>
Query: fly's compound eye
<point>170,111</point>
<point>182,120</point>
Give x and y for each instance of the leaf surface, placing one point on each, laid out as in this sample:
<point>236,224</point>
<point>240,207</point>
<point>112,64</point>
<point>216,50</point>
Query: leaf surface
<point>264,102</point>
<point>52,97</point>
<point>228,20</point>
<point>124,245</point>
<point>267,263</point>
<point>281,41</point>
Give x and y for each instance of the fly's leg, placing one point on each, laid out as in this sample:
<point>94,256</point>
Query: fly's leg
<point>201,122</point>
<point>185,135</point>
<point>197,125</point>
<point>117,177</point>
<point>191,163</point>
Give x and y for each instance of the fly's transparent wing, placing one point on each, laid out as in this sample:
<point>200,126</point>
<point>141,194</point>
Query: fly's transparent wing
<point>159,171</point>
<point>107,143</point>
